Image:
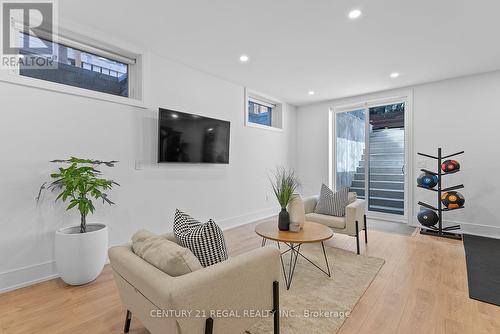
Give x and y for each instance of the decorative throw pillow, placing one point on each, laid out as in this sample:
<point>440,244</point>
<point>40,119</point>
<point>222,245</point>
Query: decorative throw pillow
<point>164,254</point>
<point>205,240</point>
<point>332,204</point>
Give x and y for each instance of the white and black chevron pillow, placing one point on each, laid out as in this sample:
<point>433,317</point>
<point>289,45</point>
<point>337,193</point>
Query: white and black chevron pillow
<point>205,240</point>
<point>332,204</point>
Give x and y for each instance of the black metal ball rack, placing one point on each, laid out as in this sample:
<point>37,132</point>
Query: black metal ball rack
<point>440,231</point>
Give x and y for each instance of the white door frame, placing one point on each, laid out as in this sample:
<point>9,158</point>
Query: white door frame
<point>368,102</point>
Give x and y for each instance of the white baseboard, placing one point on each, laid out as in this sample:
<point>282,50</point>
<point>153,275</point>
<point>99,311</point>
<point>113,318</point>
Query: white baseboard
<point>29,275</point>
<point>470,228</point>
<point>26,276</point>
<point>248,218</point>
<point>478,229</point>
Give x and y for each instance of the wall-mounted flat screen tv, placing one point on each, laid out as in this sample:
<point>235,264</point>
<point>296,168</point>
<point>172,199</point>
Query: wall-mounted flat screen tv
<point>188,138</point>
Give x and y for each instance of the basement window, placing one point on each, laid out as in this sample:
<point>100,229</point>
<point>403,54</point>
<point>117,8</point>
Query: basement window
<point>81,67</point>
<point>263,112</point>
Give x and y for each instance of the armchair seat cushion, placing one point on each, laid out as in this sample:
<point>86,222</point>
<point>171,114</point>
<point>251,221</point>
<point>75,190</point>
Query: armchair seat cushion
<point>330,221</point>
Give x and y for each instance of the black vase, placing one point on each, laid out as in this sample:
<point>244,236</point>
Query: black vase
<point>284,220</point>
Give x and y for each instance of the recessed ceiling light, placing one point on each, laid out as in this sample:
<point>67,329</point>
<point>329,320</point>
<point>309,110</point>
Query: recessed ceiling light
<point>244,58</point>
<point>354,14</point>
<point>175,116</point>
<point>394,75</point>
<point>311,92</point>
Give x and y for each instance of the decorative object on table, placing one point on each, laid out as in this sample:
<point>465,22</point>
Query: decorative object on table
<point>294,227</point>
<point>447,196</point>
<point>427,180</point>
<point>297,213</point>
<point>284,184</point>
<point>81,250</point>
<point>205,240</point>
<point>332,204</point>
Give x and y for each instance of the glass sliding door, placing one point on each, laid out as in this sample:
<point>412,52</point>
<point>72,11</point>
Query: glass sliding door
<point>350,141</point>
<point>386,172</point>
<point>370,156</point>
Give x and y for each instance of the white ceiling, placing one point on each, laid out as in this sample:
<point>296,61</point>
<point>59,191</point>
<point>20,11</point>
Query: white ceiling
<point>300,45</point>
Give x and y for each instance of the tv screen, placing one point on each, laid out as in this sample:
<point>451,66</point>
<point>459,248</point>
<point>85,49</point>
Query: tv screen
<point>192,138</point>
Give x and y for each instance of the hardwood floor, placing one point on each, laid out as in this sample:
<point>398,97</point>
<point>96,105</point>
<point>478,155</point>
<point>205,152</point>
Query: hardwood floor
<point>422,288</point>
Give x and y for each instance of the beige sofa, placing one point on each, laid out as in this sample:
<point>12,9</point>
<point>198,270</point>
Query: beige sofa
<point>218,298</point>
<point>353,222</point>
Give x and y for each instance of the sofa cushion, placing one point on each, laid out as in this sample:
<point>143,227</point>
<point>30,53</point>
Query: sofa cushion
<point>331,203</point>
<point>330,221</point>
<point>205,240</point>
<point>164,254</point>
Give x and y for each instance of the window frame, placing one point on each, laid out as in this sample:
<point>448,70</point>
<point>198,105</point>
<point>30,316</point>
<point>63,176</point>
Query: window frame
<point>262,99</point>
<point>71,39</point>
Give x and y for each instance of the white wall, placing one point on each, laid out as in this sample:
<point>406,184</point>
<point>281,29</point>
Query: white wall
<point>458,114</point>
<point>39,125</point>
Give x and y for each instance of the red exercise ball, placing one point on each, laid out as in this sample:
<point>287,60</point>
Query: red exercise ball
<point>450,166</point>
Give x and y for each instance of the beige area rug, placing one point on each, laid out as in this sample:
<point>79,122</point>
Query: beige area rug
<point>316,303</point>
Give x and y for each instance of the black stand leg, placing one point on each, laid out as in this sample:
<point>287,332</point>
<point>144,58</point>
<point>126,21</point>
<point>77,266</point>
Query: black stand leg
<point>276,306</point>
<point>294,251</point>
<point>128,318</point>
<point>209,326</point>
<point>357,237</point>
<point>366,230</point>
<point>326,259</point>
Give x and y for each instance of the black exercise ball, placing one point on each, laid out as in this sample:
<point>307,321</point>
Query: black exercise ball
<point>427,217</point>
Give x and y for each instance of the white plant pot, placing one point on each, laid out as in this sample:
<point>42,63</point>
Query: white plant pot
<point>80,257</point>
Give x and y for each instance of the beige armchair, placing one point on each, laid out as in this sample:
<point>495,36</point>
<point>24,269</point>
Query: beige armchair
<point>215,299</point>
<point>353,222</point>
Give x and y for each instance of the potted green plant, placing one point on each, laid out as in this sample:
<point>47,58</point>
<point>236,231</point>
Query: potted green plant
<point>284,183</point>
<point>80,250</point>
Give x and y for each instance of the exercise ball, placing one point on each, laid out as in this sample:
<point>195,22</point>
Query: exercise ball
<point>452,199</point>
<point>427,217</point>
<point>427,180</point>
<point>450,166</point>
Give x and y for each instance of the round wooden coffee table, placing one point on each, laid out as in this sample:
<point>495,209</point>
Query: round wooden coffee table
<point>310,233</point>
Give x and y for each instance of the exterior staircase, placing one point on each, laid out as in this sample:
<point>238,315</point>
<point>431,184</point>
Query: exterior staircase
<point>386,175</point>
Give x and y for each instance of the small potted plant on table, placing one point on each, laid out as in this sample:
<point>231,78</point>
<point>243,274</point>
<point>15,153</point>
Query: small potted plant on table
<point>80,250</point>
<point>284,185</point>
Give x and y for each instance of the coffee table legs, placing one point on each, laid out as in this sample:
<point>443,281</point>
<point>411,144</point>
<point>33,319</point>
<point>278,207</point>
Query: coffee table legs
<point>294,250</point>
